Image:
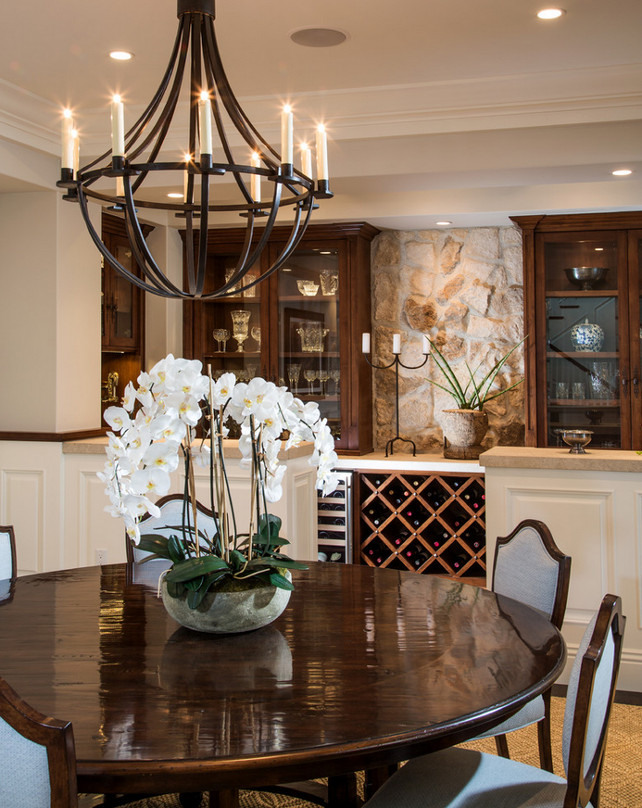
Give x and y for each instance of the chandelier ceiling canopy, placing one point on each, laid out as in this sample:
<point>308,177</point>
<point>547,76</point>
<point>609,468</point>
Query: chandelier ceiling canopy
<point>265,181</point>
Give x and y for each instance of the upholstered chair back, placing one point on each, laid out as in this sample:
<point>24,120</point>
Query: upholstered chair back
<point>7,553</point>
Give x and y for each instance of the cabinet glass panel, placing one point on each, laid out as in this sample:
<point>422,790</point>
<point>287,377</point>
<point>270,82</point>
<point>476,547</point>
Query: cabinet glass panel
<point>582,340</point>
<point>124,297</point>
<point>231,326</point>
<point>308,362</point>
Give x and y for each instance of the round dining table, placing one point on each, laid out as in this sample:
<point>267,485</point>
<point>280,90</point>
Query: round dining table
<point>365,668</point>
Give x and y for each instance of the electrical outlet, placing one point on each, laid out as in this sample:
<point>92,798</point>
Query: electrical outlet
<point>101,557</point>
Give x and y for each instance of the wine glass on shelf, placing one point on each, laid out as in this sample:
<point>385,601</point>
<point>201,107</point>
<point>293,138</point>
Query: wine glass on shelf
<point>240,331</point>
<point>251,370</point>
<point>255,333</point>
<point>323,377</point>
<point>294,372</point>
<point>221,335</point>
<point>335,375</point>
<point>309,376</point>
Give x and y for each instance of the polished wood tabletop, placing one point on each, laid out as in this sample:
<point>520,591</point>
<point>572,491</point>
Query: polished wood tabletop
<point>366,667</point>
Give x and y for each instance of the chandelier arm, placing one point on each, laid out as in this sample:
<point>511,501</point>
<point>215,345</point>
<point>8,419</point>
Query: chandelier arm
<point>111,260</point>
<point>189,253</point>
<point>161,127</point>
<point>142,255</point>
<point>293,242</point>
<point>265,235</point>
<point>234,109</point>
<point>202,235</point>
<point>151,108</point>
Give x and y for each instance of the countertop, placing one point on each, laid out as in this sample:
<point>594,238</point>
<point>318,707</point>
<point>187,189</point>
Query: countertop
<point>527,457</point>
<point>96,446</point>
<point>374,461</point>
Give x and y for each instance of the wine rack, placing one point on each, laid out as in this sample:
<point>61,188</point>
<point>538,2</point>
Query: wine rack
<point>427,523</point>
<point>334,522</point>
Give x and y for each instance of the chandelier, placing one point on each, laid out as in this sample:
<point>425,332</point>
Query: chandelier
<point>265,182</point>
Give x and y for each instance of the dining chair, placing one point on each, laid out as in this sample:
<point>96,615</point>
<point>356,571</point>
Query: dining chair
<point>7,553</point>
<point>459,777</point>
<point>170,521</point>
<point>38,754</point>
<point>529,567</point>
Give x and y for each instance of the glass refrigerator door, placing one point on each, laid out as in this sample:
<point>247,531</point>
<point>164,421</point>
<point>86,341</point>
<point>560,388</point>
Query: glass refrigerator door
<point>308,341</point>
<point>583,340</point>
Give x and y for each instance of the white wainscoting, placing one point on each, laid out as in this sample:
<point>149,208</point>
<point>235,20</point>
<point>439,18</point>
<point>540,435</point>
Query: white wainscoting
<point>596,518</point>
<point>56,504</point>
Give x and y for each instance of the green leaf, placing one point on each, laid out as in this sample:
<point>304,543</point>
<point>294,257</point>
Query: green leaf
<point>193,567</point>
<point>151,543</point>
<point>269,541</point>
<point>269,525</point>
<point>195,597</point>
<point>269,561</point>
<point>176,548</point>
<point>280,581</point>
<point>237,560</point>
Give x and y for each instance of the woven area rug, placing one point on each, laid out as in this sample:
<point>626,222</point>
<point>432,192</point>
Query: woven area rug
<point>621,779</point>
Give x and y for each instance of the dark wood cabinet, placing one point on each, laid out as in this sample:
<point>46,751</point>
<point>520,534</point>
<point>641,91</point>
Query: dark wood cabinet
<point>300,328</point>
<point>122,315</point>
<point>582,310</point>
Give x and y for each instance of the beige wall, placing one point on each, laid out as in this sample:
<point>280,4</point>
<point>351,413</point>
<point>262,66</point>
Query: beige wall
<point>464,289</point>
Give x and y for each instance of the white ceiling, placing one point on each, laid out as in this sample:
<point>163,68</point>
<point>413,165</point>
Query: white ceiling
<point>437,109</point>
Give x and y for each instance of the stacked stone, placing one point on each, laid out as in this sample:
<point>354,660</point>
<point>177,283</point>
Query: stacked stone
<point>464,289</point>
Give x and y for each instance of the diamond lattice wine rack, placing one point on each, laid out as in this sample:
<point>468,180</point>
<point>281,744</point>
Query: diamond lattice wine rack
<point>425,523</point>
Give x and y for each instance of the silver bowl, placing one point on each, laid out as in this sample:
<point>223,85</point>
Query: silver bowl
<point>586,277</point>
<point>577,439</point>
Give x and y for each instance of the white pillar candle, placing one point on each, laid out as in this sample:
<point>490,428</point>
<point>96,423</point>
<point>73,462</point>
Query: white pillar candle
<point>76,151</point>
<point>185,178</point>
<point>322,153</point>
<point>306,160</point>
<point>120,187</point>
<point>396,343</point>
<point>365,343</point>
<point>67,157</point>
<point>425,345</point>
<point>117,127</point>
<point>287,135</point>
<point>255,179</point>
<point>205,123</point>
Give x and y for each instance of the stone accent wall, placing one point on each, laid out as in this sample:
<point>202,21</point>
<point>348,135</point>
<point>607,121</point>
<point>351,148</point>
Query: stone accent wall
<point>464,289</point>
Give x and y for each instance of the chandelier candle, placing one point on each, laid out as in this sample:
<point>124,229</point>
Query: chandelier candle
<point>117,127</point>
<point>255,182</point>
<point>205,123</point>
<point>287,136</point>
<point>322,154</point>
<point>67,140</point>
<point>306,160</point>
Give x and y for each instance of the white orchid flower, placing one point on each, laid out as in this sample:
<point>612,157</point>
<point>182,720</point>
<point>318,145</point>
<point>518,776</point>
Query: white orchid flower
<point>222,390</point>
<point>151,482</point>
<point>201,455</point>
<point>117,418</point>
<point>162,456</point>
<point>129,397</point>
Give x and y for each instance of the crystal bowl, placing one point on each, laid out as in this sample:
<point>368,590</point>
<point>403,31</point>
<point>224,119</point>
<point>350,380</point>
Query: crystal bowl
<point>307,288</point>
<point>586,277</point>
<point>577,439</point>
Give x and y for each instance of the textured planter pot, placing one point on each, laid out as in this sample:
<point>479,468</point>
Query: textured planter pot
<point>228,612</point>
<point>464,430</point>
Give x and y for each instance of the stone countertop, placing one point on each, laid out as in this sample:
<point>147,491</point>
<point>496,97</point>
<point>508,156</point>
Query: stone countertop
<point>527,457</point>
<point>96,446</point>
<point>376,461</point>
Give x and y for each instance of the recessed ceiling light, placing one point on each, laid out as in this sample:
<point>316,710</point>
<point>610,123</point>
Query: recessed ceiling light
<point>318,37</point>
<point>622,172</point>
<point>443,224</point>
<point>175,195</point>
<point>550,13</point>
<point>121,55</point>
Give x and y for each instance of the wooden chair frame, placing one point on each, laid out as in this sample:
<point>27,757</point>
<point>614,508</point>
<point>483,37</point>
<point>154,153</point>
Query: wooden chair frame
<point>56,736</point>
<point>12,543</point>
<point>557,618</point>
<point>160,502</point>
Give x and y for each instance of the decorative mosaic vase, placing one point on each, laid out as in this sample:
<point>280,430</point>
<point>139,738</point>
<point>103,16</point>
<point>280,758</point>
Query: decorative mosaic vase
<point>587,336</point>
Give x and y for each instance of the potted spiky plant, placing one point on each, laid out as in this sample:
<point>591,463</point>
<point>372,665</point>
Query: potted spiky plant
<point>465,426</point>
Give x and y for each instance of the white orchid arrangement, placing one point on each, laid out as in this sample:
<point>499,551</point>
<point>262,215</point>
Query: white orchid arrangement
<point>155,427</point>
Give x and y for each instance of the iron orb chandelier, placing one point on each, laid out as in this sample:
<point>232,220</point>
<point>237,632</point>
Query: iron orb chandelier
<point>117,177</point>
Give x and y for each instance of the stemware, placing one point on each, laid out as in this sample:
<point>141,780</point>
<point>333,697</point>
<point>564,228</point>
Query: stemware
<point>256,335</point>
<point>329,282</point>
<point>228,275</point>
<point>294,372</point>
<point>335,376</point>
<point>249,278</point>
<point>323,377</point>
<point>312,337</point>
<point>221,335</point>
<point>309,376</point>
<point>240,321</point>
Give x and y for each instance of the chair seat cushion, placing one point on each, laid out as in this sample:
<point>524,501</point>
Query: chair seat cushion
<point>462,778</point>
<point>530,713</point>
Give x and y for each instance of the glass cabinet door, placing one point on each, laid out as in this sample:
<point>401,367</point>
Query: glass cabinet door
<point>635,251</point>
<point>586,356</point>
<point>309,335</point>
<point>230,327</point>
